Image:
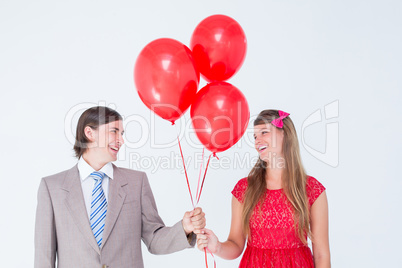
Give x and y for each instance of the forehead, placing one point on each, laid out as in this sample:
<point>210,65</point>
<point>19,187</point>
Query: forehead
<point>115,124</point>
<point>258,128</point>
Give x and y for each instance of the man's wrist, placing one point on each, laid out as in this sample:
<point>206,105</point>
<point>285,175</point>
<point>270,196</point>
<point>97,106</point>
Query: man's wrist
<point>190,237</point>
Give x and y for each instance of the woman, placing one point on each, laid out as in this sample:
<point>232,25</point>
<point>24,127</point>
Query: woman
<point>277,206</point>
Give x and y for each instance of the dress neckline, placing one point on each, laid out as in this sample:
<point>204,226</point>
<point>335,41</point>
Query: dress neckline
<point>274,189</point>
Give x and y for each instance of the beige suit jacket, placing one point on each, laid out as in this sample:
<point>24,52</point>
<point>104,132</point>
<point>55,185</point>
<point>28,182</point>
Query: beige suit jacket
<point>63,232</point>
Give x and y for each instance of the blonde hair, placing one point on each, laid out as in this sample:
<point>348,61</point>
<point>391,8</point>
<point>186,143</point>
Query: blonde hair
<point>293,179</point>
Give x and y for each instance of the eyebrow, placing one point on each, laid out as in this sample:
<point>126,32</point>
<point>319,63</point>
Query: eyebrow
<point>261,129</point>
<point>116,128</point>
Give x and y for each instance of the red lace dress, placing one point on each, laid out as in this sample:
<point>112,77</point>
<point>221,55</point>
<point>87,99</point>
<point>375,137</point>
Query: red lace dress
<point>273,241</point>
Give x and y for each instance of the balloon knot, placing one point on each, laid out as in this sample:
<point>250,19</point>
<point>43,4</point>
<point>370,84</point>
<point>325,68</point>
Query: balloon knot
<point>172,123</point>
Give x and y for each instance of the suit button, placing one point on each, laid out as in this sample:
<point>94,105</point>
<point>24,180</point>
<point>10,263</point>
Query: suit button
<point>105,266</point>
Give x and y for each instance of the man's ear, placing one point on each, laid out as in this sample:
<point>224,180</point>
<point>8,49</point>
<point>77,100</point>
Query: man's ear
<point>89,133</point>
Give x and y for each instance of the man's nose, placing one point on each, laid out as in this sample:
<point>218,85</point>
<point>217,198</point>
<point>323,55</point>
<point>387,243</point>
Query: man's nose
<point>121,139</point>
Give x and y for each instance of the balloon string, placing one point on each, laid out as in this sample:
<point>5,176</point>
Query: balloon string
<point>185,170</point>
<point>206,257</point>
<point>199,176</point>
<point>198,192</point>
<point>202,184</point>
<point>205,173</point>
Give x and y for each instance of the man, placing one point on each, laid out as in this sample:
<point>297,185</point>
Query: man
<point>96,214</point>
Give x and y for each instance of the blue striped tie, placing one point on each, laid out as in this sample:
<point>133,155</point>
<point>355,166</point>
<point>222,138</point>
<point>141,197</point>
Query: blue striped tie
<point>98,207</point>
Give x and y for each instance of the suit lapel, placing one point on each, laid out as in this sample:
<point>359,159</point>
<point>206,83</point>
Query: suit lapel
<point>76,206</point>
<point>115,201</point>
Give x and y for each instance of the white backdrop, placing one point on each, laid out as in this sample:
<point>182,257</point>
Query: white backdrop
<point>58,57</point>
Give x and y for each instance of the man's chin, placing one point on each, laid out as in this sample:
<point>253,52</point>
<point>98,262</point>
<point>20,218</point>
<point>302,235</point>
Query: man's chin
<point>113,158</point>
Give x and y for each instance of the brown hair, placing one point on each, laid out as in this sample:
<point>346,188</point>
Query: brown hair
<point>293,179</point>
<point>93,118</point>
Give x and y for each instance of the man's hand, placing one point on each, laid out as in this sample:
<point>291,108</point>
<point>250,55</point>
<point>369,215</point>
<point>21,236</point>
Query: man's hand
<point>193,220</point>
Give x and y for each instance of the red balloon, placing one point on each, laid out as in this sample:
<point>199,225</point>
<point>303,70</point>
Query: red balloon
<point>166,78</point>
<point>220,116</point>
<point>219,47</point>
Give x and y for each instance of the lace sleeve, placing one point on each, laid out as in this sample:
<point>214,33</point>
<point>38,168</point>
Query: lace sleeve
<point>240,189</point>
<point>314,189</point>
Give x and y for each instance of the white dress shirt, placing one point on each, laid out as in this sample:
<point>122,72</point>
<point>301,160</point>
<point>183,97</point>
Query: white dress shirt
<point>87,183</point>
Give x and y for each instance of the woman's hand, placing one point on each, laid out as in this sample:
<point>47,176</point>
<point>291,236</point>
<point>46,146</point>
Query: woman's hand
<point>207,239</point>
<point>233,246</point>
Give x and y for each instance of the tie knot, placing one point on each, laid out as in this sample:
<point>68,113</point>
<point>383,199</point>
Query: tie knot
<point>97,175</point>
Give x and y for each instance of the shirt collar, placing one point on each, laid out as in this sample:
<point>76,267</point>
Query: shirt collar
<point>85,169</point>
